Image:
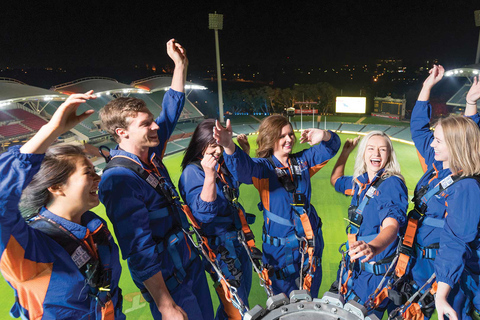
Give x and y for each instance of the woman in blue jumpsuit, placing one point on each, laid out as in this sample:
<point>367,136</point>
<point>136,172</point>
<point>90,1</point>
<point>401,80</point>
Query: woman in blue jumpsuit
<point>76,275</point>
<point>458,259</point>
<point>451,198</point>
<point>207,187</point>
<point>283,182</point>
<point>377,211</point>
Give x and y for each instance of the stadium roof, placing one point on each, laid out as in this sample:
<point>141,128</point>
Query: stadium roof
<point>13,91</point>
<point>467,71</point>
<point>100,85</point>
<point>162,82</point>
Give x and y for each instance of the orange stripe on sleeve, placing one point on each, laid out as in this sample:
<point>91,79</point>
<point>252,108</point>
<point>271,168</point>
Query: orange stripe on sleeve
<point>349,192</point>
<point>317,168</point>
<point>29,278</point>
<point>422,162</point>
<point>262,186</point>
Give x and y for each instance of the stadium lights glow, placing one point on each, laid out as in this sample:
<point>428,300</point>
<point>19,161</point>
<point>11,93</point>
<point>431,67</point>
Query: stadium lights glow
<point>463,72</point>
<point>195,87</point>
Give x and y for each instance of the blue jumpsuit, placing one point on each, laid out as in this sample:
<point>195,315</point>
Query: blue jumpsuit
<point>458,258</point>
<point>428,234</point>
<point>389,201</point>
<point>148,231</point>
<point>219,221</point>
<point>31,259</point>
<point>280,246</point>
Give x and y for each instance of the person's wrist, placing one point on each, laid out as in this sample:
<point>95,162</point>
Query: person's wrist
<point>471,103</point>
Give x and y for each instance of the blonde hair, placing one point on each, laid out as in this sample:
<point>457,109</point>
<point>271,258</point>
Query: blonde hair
<point>269,133</point>
<point>392,167</point>
<point>462,137</point>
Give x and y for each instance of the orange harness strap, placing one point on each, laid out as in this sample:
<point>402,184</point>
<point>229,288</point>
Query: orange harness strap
<point>413,312</point>
<point>408,241</point>
<point>309,235</point>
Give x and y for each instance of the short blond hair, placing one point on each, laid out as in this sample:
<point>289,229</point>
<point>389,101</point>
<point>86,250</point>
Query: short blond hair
<point>462,137</point>
<point>392,167</point>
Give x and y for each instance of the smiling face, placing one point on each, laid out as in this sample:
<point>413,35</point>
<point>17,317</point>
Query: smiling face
<point>376,155</point>
<point>214,150</point>
<point>80,190</point>
<point>284,145</point>
<point>142,131</point>
<point>440,146</point>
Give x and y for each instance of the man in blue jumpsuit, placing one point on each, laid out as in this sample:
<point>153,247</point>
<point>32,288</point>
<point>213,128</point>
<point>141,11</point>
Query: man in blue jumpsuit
<point>163,263</point>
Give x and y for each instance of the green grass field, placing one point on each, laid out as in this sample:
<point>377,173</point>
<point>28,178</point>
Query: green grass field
<point>331,207</point>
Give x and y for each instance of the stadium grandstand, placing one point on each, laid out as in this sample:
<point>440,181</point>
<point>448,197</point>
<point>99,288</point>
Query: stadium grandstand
<point>24,109</point>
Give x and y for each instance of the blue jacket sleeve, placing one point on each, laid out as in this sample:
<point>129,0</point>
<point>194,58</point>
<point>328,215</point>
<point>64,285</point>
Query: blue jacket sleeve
<point>420,129</point>
<point>318,155</point>
<point>461,228</point>
<point>172,106</point>
<point>476,118</point>
<point>121,193</point>
<point>393,200</point>
<point>243,168</point>
<point>344,185</point>
<point>190,186</point>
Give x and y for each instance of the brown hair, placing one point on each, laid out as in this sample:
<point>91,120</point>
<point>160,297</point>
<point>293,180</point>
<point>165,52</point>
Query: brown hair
<point>462,137</point>
<point>57,166</point>
<point>269,133</point>
<point>114,114</point>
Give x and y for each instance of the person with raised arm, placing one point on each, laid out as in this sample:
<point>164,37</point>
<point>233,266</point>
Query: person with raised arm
<point>292,238</point>
<point>143,205</point>
<point>376,213</point>
<point>446,205</point>
<point>59,258</point>
<point>212,193</point>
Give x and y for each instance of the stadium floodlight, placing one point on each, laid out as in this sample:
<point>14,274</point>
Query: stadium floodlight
<point>195,87</point>
<point>463,72</point>
<point>215,22</point>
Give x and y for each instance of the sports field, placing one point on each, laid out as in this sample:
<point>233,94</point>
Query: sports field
<point>331,207</point>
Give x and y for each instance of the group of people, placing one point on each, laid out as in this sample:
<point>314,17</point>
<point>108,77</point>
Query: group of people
<point>61,260</point>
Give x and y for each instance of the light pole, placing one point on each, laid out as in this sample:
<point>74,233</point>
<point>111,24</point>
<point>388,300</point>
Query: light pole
<point>215,22</point>
<point>477,23</point>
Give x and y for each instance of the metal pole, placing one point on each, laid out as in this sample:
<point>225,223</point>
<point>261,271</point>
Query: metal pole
<point>477,59</point>
<point>219,78</point>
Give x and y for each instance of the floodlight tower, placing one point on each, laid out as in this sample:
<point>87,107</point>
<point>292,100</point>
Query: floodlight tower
<point>477,23</point>
<point>215,22</point>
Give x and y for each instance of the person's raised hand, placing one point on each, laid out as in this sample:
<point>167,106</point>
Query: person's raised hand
<point>474,93</point>
<point>65,118</point>
<point>243,142</point>
<point>208,164</point>
<point>350,145</point>
<point>223,135</point>
<point>177,53</point>
<point>436,74</point>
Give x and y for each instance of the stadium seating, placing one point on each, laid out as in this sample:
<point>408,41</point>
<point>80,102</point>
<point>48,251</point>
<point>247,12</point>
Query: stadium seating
<point>13,130</point>
<point>29,119</point>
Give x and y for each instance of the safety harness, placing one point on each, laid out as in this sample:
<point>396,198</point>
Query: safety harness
<point>91,255</point>
<point>242,231</point>
<point>303,239</point>
<point>355,220</point>
<point>173,209</point>
<point>405,293</point>
<point>180,212</point>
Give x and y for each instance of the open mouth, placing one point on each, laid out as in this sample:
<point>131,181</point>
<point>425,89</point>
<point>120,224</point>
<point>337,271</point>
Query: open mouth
<point>94,192</point>
<point>375,162</point>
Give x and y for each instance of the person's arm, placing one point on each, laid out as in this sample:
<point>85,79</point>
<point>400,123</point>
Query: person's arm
<point>209,190</point>
<point>421,114</point>
<point>391,207</point>
<point>387,235</point>
<point>339,168</point>
<point>174,99</point>
<point>460,229</point>
<point>242,140</point>
<point>441,304</point>
<point>159,292</point>
<point>64,119</point>
<point>325,145</point>
<point>472,97</point>
<point>179,56</point>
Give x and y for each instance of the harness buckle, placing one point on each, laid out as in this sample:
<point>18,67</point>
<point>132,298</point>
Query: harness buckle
<point>406,250</point>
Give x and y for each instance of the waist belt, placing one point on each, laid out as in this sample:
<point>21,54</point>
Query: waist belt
<point>284,273</point>
<point>378,269</point>
<point>276,241</point>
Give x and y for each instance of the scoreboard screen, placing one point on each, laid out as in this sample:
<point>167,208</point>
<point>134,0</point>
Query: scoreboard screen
<point>351,105</point>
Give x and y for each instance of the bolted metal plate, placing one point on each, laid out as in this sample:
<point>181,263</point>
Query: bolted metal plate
<point>276,301</point>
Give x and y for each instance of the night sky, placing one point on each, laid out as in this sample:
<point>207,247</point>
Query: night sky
<point>122,34</point>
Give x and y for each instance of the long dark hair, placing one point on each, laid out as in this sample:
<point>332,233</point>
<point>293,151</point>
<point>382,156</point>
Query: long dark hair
<point>202,137</point>
<point>59,163</point>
